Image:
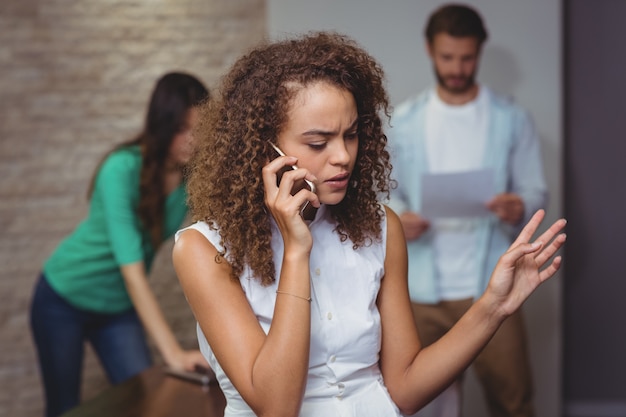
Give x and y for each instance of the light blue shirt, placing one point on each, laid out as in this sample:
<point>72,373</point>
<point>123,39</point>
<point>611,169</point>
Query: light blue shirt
<point>512,152</point>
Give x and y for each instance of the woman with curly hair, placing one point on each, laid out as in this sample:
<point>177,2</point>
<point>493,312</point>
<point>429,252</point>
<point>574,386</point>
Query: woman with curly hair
<point>313,318</point>
<point>95,285</point>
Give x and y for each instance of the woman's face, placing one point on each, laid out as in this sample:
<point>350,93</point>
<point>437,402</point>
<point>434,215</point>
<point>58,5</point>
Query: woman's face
<point>322,132</point>
<point>182,144</point>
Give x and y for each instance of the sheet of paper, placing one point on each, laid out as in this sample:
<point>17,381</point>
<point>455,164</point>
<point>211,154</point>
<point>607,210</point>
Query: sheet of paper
<point>461,194</point>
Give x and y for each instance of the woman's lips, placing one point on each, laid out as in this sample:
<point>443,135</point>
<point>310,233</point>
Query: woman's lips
<point>339,181</point>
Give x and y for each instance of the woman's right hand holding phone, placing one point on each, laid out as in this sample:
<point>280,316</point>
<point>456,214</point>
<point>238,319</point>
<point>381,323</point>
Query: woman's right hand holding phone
<point>284,207</point>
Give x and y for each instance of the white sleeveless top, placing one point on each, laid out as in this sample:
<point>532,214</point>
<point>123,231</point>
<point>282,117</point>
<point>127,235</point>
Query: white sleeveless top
<point>344,377</point>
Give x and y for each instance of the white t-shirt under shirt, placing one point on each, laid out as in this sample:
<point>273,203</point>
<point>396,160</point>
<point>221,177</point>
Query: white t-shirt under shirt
<point>455,142</point>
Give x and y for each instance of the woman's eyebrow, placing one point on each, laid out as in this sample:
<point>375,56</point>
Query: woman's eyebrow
<point>328,133</point>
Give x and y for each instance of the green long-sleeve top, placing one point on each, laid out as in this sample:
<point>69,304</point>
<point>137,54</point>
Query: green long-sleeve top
<point>85,267</point>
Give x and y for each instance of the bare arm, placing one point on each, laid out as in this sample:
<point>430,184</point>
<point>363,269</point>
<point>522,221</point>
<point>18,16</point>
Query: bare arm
<point>154,321</point>
<point>414,375</point>
<point>269,371</point>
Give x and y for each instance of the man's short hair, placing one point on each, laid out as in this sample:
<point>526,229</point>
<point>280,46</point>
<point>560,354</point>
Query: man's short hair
<point>456,20</point>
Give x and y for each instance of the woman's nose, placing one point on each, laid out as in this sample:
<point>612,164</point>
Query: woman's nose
<point>340,154</point>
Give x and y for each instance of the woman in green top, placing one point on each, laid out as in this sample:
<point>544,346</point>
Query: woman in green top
<point>94,286</point>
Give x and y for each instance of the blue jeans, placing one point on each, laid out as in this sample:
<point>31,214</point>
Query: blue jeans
<point>60,330</point>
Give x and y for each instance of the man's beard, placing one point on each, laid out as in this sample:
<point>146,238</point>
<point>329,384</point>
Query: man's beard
<point>468,83</point>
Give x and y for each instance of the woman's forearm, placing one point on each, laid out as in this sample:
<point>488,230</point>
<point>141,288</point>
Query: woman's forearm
<point>150,312</point>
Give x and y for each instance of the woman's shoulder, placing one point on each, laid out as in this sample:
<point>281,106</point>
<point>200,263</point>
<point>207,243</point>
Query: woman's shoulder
<point>392,225</point>
<point>127,158</point>
<point>119,171</point>
<point>211,233</point>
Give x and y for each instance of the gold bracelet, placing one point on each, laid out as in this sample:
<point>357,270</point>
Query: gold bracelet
<point>294,295</point>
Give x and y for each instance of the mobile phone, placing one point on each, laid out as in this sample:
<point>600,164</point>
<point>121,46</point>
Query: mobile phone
<point>307,210</point>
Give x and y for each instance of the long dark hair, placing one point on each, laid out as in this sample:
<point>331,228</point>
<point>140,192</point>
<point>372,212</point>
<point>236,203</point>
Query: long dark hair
<point>173,96</point>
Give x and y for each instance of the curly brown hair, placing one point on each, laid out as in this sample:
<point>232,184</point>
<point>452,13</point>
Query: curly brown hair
<point>235,130</point>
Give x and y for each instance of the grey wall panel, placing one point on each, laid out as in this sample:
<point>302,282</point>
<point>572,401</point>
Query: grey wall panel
<point>594,361</point>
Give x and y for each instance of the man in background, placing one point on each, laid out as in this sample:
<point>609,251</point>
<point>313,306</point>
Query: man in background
<point>462,127</point>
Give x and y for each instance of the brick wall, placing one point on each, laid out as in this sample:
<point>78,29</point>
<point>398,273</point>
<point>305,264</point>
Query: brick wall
<point>75,76</point>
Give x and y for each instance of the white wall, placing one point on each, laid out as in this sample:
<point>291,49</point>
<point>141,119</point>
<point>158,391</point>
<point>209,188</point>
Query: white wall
<point>523,58</point>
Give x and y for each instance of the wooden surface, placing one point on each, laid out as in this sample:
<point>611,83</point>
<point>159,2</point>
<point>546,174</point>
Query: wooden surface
<point>153,393</point>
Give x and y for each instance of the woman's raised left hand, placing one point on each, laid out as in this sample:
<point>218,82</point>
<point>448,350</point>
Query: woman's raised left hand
<point>525,265</point>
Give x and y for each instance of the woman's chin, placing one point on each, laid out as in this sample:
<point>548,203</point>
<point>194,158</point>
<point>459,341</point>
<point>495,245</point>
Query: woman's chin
<point>333,199</point>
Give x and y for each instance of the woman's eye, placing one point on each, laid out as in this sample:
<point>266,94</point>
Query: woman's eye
<point>352,135</point>
<point>317,146</point>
